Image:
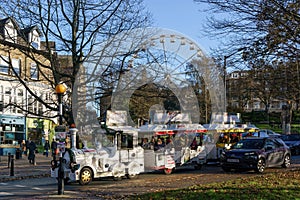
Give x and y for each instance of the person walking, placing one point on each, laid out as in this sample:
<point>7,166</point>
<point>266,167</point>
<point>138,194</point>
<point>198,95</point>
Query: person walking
<point>46,148</point>
<point>31,155</point>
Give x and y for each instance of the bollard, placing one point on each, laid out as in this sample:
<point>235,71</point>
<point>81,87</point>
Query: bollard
<point>9,156</point>
<point>12,166</point>
<point>60,176</point>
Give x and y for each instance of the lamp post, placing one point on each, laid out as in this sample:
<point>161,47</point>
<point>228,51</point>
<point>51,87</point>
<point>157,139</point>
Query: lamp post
<point>225,85</point>
<point>60,90</point>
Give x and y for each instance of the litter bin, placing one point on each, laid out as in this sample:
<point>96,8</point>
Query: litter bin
<point>18,154</point>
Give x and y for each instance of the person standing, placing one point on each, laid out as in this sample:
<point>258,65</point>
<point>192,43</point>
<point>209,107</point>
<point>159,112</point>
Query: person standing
<point>53,148</point>
<point>27,146</point>
<point>46,148</point>
<point>31,155</point>
<point>23,148</point>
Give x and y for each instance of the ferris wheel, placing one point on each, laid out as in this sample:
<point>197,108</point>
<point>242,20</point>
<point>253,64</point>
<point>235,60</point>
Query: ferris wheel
<point>164,57</point>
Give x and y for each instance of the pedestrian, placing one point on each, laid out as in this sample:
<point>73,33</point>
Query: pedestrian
<point>46,148</point>
<point>31,155</point>
<point>23,148</point>
<point>27,146</point>
<point>53,148</point>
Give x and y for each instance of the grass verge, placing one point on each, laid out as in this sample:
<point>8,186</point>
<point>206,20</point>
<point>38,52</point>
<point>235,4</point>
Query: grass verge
<point>283,185</point>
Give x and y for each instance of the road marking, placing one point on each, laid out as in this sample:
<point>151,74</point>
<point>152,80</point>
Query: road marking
<point>5,194</point>
<point>20,186</point>
<point>36,188</point>
<point>3,183</point>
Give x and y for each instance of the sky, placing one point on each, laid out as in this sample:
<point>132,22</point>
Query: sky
<point>183,16</point>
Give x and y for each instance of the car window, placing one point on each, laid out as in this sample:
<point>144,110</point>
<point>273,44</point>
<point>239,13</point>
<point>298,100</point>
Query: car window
<point>270,143</point>
<point>280,141</point>
<point>277,144</point>
<point>249,144</point>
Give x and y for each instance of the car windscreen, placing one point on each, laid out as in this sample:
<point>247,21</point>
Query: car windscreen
<point>249,144</point>
<point>290,137</point>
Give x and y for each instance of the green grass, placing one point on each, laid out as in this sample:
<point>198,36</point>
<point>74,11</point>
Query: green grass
<point>284,185</point>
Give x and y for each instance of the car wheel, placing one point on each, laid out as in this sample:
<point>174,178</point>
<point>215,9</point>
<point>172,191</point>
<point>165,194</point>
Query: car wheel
<point>85,176</point>
<point>261,165</point>
<point>226,169</point>
<point>287,161</point>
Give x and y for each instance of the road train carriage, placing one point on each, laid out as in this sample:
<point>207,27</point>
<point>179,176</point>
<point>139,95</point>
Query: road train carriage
<point>124,151</point>
<point>168,147</point>
<point>117,156</point>
<point>225,137</point>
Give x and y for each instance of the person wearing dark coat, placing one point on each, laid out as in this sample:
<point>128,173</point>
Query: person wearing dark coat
<point>31,155</point>
<point>53,149</point>
<point>46,148</point>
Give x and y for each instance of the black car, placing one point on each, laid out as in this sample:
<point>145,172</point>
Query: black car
<point>256,154</point>
<point>293,141</point>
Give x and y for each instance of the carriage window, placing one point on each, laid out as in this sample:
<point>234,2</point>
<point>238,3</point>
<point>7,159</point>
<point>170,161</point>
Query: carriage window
<point>126,141</point>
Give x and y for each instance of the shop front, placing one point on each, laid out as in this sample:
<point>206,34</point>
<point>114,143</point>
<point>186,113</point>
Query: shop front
<point>12,132</point>
<point>39,130</point>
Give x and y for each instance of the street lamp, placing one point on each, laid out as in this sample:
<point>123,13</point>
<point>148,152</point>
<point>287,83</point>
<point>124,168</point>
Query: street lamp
<point>224,75</point>
<point>60,90</point>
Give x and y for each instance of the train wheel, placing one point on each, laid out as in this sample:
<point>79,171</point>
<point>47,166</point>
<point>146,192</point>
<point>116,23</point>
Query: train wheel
<point>117,178</point>
<point>85,176</point>
<point>133,176</point>
<point>168,171</point>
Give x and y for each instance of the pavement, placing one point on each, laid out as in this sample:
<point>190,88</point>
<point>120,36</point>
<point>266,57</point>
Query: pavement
<point>23,169</point>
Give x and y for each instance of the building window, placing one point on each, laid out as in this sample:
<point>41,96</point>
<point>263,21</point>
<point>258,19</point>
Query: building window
<point>10,32</point>
<point>16,66</point>
<point>20,100</point>
<point>34,71</point>
<point>35,45</point>
<point>35,39</point>
<point>4,66</point>
<point>30,104</point>
<point>256,105</point>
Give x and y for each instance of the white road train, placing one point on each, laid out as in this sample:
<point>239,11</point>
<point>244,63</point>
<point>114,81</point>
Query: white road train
<point>125,151</point>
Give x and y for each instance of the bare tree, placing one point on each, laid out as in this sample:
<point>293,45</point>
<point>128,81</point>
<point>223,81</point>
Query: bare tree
<point>266,27</point>
<point>76,27</point>
<point>267,32</point>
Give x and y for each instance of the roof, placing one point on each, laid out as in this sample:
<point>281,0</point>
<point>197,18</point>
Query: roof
<point>30,29</point>
<point>21,32</point>
<point>4,21</point>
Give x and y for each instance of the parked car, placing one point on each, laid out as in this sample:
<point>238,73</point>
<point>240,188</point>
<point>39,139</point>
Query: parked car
<point>269,132</point>
<point>256,153</point>
<point>255,134</point>
<point>293,141</point>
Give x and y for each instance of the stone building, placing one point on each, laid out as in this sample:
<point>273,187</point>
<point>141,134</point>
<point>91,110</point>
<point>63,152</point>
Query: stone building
<point>24,76</point>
